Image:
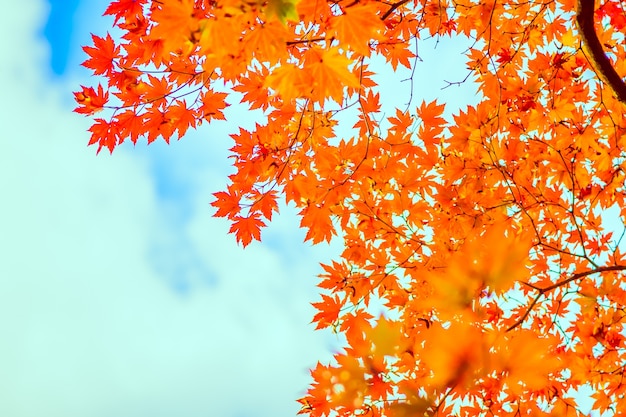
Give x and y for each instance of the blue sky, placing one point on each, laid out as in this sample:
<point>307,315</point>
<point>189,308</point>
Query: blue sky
<point>58,31</point>
<point>120,295</point>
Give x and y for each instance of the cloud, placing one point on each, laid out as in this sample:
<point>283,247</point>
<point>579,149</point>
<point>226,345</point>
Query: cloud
<point>89,326</point>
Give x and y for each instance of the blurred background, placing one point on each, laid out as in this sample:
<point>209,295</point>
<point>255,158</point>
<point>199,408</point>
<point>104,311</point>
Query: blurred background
<point>120,295</point>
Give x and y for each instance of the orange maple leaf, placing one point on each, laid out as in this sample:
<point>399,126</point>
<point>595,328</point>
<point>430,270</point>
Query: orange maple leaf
<point>227,204</point>
<point>213,104</point>
<point>247,228</point>
<point>357,27</point>
<point>328,311</point>
<point>317,220</point>
<point>289,81</point>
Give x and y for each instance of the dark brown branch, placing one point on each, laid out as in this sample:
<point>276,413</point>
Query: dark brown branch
<point>597,58</point>
<point>392,8</point>
<point>299,41</point>
<point>558,284</point>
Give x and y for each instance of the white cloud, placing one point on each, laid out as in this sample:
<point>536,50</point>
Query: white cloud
<point>88,328</point>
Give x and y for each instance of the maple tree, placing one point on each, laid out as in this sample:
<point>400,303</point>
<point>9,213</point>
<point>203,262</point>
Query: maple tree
<point>482,232</point>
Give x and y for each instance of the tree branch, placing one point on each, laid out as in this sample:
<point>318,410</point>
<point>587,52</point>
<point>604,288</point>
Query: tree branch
<point>557,284</point>
<point>393,7</point>
<point>597,58</point>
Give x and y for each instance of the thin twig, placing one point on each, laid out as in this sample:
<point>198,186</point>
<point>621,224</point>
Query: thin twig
<point>558,284</point>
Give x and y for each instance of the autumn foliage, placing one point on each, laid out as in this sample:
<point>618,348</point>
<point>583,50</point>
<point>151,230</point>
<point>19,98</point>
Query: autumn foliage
<point>492,235</point>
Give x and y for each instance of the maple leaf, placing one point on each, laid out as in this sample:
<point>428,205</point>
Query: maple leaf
<point>90,101</point>
<point>283,10</point>
<point>105,134</point>
<point>330,74</point>
<point>176,23</point>
<point>289,81</point>
<point>266,204</point>
<point>102,55</point>
<point>317,220</point>
<point>156,125</point>
<point>615,12</point>
<point>246,229</point>
<point>227,204</point>
<point>396,53</point>
<point>267,42</point>
<point>401,122</point>
<point>157,89</point>
<point>431,113</point>
<point>181,117</point>
<point>385,337</point>
<point>328,311</point>
<point>130,124</point>
<point>356,324</point>
<point>213,104</point>
<point>357,27</point>
<point>504,57</point>
<point>123,9</point>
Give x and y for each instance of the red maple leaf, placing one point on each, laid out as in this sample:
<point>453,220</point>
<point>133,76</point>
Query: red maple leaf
<point>89,101</point>
<point>124,9</point>
<point>105,134</point>
<point>102,55</point>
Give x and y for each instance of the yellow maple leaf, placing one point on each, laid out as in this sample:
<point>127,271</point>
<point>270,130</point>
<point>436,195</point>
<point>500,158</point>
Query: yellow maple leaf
<point>329,69</point>
<point>289,82</point>
<point>385,337</point>
<point>282,10</point>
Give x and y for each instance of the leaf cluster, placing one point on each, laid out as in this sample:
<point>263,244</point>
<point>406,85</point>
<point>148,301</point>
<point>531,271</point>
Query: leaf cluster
<point>482,232</point>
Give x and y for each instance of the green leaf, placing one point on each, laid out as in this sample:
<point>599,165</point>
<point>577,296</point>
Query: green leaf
<point>283,10</point>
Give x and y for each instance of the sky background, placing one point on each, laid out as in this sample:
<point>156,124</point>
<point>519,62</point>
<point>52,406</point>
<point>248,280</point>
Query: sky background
<point>120,294</point>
